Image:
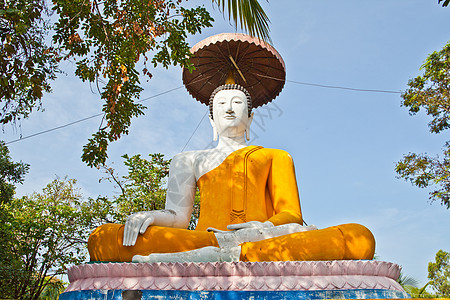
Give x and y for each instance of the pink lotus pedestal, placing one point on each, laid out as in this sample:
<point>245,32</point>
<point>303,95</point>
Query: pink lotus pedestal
<point>352,279</point>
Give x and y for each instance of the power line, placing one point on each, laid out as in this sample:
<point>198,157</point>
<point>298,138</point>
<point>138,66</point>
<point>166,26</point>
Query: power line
<point>331,86</point>
<point>85,119</point>
<point>195,130</point>
<point>344,88</point>
<point>52,129</point>
<point>198,125</point>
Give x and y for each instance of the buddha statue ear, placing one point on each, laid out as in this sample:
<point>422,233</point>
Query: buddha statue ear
<point>215,133</point>
<point>247,130</point>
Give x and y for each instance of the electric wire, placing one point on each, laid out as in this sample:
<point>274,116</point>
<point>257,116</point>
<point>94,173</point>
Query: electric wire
<point>195,130</point>
<point>85,119</point>
<point>198,125</point>
<point>331,86</point>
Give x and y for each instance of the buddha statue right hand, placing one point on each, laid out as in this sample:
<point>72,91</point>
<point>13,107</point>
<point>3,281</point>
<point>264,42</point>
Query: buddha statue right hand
<point>139,222</point>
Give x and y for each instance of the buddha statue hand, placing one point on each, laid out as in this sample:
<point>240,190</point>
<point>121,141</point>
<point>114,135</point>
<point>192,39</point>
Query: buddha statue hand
<point>251,224</point>
<point>257,231</point>
<point>139,222</point>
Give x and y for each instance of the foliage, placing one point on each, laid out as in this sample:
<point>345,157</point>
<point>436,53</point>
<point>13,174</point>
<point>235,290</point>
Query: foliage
<point>106,40</point>
<point>409,284</point>
<point>405,280</point>
<point>143,189</point>
<point>109,38</point>
<point>444,2</point>
<point>27,64</point>
<point>250,15</point>
<point>10,173</point>
<point>439,274</point>
<point>430,92</point>
<point>53,288</point>
<point>416,292</point>
<point>41,235</point>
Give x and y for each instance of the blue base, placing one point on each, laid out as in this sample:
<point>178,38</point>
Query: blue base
<point>230,295</point>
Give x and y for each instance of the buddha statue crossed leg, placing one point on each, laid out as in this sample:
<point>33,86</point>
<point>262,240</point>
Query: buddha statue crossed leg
<point>250,208</point>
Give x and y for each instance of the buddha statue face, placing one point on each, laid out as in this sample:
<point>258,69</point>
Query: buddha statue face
<point>230,113</point>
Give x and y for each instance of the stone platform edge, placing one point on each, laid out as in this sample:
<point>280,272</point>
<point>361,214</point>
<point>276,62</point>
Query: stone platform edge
<point>237,276</point>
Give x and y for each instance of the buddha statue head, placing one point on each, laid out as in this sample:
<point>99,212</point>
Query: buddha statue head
<point>230,109</point>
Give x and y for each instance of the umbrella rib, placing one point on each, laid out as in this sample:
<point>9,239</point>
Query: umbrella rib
<point>238,59</point>
<point>207,81</point>
<point>265,66</point>
<point>212,68</point>
<point>224,57</point>
<point>209,63</point>
<point>237,51</point>
<point>256,51</point>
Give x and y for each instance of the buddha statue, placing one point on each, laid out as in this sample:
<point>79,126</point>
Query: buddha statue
<point>249,205</point>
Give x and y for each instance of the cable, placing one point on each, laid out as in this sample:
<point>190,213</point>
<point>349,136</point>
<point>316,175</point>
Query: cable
<point>160,94</point>
<point>344,88</point>
<point>195,130</point>
<point>84,119</point>
<point>52,129</point>
<point>174,89</point>
<point>331,86</point>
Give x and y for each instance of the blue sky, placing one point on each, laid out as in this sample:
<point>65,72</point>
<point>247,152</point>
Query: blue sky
<point>344,143</point>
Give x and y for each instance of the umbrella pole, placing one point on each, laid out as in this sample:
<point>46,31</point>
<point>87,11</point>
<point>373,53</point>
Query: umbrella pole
<point>237,68</point>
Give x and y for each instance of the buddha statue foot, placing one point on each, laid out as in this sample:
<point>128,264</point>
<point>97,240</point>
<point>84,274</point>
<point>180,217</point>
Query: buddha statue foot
<point>206,254</point>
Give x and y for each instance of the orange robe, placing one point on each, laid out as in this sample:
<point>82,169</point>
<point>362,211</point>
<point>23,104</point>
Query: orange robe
<point>251,184</point>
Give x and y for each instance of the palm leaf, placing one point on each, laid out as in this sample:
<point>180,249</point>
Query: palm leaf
<point>248,15</point>
<point>446,2</point>
<point>405,280</point>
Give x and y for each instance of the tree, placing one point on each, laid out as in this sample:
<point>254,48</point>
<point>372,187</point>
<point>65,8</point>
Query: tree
<point>409,284</point>
<point>10,173</point>
<point>142,189</point>
<point>41,235</point>
<point>53,288</point>
<point>430,92</point>
<point>108,40</point>
<point>27,64</point>
<point>439,274</point>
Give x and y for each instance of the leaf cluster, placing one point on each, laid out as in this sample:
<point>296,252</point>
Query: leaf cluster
<point>142,189</point>
<point>430,92</point>
<point>11,173</point>
<point>424,171</point>
<point>41,235</point>
<point>109,38</point>
<point>27,64</point>
<point>439,274</point>
<point>106,40</point>
<point>248,14</point>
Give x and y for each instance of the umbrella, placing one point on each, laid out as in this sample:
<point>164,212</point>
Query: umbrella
<point>253,63</point>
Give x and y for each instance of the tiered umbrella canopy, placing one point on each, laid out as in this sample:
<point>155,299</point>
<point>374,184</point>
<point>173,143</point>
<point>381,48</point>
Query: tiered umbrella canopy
<point>253,63</point>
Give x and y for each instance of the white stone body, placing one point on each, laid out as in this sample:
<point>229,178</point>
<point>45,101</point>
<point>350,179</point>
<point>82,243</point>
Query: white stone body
<point>231,124</point>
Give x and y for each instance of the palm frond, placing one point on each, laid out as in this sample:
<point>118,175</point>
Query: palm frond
<point>248,15</point>
<point>445,2</point>
<point>405,280</point>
